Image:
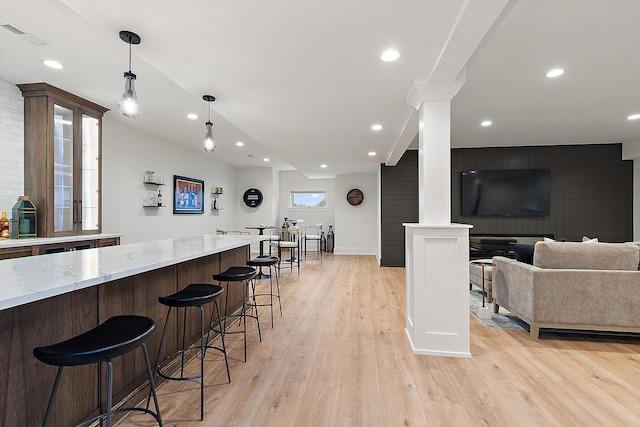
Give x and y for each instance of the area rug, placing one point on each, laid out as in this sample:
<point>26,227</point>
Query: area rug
<point>502,320</point>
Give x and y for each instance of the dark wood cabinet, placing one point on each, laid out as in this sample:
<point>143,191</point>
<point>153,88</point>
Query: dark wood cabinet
<point>62,160</point>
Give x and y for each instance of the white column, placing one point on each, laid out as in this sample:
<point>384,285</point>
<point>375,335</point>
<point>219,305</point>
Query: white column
<point>437,252</point>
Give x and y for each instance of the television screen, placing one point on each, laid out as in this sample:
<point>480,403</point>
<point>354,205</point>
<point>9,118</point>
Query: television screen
<point>513,192</point>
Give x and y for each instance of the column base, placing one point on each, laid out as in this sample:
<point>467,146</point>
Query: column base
<point>437,269</point>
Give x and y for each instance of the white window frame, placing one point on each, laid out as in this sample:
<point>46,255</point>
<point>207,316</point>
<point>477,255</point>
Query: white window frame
<point>293,193</point>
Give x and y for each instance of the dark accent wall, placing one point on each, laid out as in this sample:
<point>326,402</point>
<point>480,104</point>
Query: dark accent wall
<point>591,194</point>
<point>591,190</point>
<point>399,204</point>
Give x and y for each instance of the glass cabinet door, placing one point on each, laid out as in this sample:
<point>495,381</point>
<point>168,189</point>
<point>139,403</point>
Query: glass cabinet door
<point>63,198</point>
<point>90,205</point>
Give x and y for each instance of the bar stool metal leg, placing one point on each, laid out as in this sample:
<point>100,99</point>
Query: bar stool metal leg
<point>245,276</point>
<point>114,337</point>
<point>194,295</point>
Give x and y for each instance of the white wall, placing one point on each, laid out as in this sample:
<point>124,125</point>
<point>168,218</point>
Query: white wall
<point>11,146</point>
<point>295,181</point>
<point>356,226</point>
<point>265,180</point>
<point>127,154</point>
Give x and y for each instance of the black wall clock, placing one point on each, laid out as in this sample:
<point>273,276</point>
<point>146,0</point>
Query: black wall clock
<point>355,197</point>
<point>252,197</point>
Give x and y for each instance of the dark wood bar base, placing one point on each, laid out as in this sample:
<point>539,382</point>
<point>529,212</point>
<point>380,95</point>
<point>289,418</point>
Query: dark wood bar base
<point>25,383</point>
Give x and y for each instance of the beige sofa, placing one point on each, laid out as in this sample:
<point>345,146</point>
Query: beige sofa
<point>592,286</point>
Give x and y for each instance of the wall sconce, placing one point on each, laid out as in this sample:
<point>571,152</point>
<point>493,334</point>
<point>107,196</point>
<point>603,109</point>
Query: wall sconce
<point>209,143</point>
<point>128,104</point>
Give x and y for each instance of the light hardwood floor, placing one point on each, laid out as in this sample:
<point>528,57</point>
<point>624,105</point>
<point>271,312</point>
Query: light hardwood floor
<point>340,357</point>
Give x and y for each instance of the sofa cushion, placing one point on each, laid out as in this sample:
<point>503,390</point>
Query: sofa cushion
<point>523,252</point>
<point>594,256</point>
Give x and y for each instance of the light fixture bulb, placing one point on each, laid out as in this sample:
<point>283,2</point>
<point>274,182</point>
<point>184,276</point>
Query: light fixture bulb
<point>390,55</point>
<point>128,104</point>
<point>486,123</point>
<point>53,64</point>
<point>209,143</point>
<point>376,127</point>
<point>556,72</point>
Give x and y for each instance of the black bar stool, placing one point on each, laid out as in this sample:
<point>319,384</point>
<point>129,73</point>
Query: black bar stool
<point>194,295</point>
<point>116,336</point>
<point>244,276</point>
<point>268,261</point>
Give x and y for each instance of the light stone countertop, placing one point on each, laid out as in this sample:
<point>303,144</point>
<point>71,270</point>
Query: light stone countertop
<point>28,279</point>
<point>15,243</point>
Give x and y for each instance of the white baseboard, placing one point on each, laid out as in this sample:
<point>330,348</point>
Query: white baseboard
<point>354,251</point>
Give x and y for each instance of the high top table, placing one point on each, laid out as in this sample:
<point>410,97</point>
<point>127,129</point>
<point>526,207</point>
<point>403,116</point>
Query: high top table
<point>261,229</point>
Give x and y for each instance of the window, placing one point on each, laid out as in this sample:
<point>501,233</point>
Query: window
<point>308,199</point>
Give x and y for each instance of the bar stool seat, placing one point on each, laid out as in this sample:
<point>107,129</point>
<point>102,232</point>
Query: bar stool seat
<point>116,336</point>
<point>245,276</point>
<point>194,295</point>
<point>268,261</point>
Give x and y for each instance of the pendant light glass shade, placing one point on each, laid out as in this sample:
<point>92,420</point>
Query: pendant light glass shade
<point>209,143</point>
<point>128,104</point>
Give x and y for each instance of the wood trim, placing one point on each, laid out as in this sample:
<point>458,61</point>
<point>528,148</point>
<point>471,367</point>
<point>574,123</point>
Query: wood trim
<point>45,89</point>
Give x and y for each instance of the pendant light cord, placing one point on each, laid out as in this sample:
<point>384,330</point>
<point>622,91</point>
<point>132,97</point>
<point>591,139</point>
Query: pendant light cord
<point>129,54</point>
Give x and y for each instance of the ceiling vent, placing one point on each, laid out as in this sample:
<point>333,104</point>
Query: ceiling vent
<point>33,39</point>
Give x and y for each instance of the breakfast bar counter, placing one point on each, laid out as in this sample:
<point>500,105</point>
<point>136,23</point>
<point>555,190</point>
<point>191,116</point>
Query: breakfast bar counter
<point>49,298</point>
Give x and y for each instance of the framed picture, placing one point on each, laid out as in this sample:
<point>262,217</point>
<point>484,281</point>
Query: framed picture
<point>188,195</point>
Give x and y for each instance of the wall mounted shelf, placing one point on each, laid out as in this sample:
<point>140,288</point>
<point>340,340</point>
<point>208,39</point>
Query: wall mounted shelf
<point>216,198</point>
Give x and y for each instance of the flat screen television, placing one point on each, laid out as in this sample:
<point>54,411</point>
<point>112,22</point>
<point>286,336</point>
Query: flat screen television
<point>512,192</point>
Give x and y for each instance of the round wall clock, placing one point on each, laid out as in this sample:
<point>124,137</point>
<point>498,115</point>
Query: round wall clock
<point>355,197</point>
<point>252,197</point>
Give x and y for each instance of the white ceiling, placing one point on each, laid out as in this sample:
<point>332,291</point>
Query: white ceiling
<point>301,82</point>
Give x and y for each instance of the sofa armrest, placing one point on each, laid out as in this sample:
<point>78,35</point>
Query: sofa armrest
<point>513,285</point>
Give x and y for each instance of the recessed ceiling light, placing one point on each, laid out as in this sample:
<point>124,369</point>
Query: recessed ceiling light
<point>192,116</point>
<point>486,123</point>
<point>372,153</point>
<point>53,64</point>
<point>555,72</point>
<point>323,166</point>
<point>266,159</point>
<point>390,55</point>
<point>633,117</point>
<point>239,144</point>
<point>376,127</point>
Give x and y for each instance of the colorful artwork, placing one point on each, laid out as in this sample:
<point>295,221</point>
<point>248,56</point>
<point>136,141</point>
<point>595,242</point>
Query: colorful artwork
<point>188,194</point>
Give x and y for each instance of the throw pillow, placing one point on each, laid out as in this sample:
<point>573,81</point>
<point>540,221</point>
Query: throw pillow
<point>523,252</point>
<point>586,239</point>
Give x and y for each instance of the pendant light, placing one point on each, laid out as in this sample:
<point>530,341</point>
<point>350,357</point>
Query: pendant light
<point>129,102</point>
<point>209,143</point>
